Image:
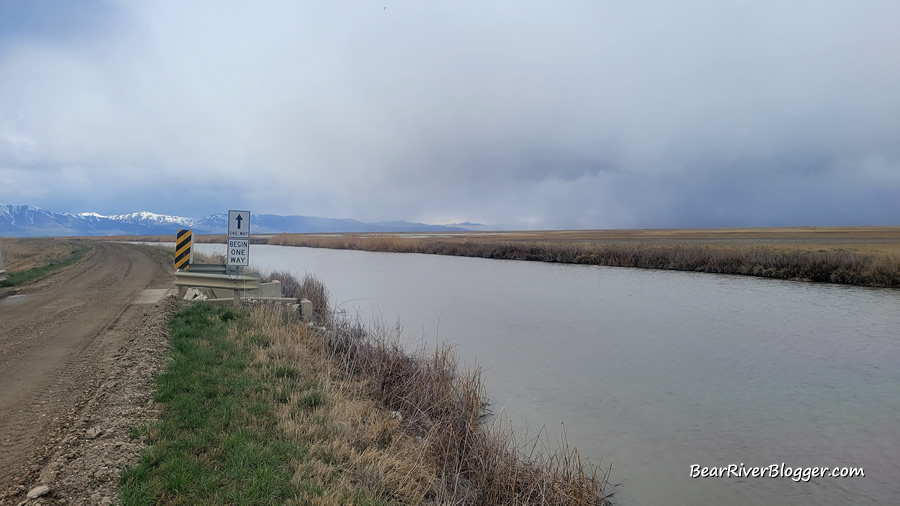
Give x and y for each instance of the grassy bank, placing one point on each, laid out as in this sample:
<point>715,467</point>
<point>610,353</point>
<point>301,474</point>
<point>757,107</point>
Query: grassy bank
<point>214,442</point>
<point>790,257</point>
<point>258,407</point>
<point>30,259</point>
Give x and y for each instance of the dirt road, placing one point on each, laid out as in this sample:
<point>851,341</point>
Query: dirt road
<point>59,341</point>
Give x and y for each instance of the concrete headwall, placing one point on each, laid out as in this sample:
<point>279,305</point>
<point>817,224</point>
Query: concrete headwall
<point>271,289</point>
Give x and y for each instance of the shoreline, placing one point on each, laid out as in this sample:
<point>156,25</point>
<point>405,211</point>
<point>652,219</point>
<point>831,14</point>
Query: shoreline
<point>874,264</point>
<point>342,414</point>
<point>858,256</point>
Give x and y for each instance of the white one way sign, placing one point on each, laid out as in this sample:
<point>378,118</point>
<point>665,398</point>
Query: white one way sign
<point>238,252</point>
<point>238,224</point>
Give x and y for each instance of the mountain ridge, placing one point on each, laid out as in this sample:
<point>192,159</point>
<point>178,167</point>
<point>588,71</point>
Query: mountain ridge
<point>29,221</point>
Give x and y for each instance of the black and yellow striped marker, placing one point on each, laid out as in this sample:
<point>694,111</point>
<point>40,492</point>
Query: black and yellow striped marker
<point>183,249</point>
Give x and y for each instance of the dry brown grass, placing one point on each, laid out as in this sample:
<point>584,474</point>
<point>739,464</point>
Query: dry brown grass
<point>199,238</point>
<point>867,256</point>
<point>409,428</point>
<point>308,288</point>
<point>394,243</point>
<point>20,254</point>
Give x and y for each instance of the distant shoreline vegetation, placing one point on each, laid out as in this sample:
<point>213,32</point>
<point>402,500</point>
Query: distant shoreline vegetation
<point>861,256</point>
<point>763,261</point>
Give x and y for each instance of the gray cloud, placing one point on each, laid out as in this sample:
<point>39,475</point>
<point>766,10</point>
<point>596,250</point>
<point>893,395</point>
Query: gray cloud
<point>527,114</point>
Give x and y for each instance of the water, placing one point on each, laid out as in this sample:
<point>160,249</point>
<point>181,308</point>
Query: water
<point>654,371</point>
<point>13,300</point>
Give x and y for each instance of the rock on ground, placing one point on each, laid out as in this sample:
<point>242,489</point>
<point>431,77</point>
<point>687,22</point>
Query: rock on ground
<point>37,491</point>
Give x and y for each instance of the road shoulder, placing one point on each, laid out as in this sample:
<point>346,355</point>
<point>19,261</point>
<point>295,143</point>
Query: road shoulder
<point>87,455</point>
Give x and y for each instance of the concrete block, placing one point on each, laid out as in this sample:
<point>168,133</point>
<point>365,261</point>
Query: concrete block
<point>271,289</point>
<point>222,302</point>
<point>220,293</point>
<point>306,310</point>
<point>273,300</point>
<point>194,294</point>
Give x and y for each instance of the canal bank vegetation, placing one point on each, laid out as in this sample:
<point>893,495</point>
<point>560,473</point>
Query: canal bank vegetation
<point>258,407</point>
<point>864,256</point>
<point>798,256</point>
<point>28,259</point>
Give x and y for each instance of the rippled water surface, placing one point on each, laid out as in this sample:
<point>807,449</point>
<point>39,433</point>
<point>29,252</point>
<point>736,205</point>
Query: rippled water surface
<point>653,371</point>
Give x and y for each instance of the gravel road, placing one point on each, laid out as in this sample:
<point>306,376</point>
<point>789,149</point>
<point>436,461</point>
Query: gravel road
<point>78,352</point>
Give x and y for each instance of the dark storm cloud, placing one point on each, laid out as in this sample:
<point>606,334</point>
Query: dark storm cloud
<point>525,114</point>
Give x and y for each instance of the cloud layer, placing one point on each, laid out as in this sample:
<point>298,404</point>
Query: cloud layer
<point>526,114</point>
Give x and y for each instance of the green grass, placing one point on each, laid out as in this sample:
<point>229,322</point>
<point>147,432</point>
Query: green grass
<point>257,409</point>
<point>216,441</point>
<point>16,278</point>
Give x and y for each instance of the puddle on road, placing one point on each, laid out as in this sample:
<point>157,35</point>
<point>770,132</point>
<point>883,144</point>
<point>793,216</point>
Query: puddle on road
<point>152,295</point>
<point>12,300</point>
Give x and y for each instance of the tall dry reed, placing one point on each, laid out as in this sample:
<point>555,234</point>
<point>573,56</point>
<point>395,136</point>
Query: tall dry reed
<point>412,424</point>
<point>364,242</point>
<point>307,288</point>
<point>479,461</point>
<point>828,266</point>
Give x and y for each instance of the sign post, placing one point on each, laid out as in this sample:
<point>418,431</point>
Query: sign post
<point>238,252</point>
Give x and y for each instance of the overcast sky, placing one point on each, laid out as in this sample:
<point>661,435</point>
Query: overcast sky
<point>525,114</point>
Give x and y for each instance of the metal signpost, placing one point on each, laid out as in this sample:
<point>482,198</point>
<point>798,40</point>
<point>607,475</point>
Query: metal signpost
<point>2,272</point>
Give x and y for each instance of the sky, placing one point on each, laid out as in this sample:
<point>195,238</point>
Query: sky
<point>518,114</point>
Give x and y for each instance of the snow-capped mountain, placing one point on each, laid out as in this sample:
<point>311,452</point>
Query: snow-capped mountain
<point>24,221</point>
<point>34,221</point>
<point>146,218</point>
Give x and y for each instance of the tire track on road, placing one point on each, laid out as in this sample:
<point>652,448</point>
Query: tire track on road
<point>55,346</point>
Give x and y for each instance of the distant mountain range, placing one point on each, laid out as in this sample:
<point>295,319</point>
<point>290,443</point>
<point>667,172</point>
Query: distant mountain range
<point>27,221</point>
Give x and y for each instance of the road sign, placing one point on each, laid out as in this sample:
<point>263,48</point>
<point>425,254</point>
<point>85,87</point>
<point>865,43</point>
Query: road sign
<point>239,224</point>
<point>183,254</point>
<point>238,252</point>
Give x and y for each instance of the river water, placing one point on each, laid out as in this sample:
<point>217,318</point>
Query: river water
<point>652,372</point>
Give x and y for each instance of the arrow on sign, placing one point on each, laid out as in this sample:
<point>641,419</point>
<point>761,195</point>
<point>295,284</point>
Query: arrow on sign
<point>236,225</point>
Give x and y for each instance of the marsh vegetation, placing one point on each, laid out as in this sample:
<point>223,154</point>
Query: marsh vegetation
<point>866,257</point>
<point>260,407</point>
<point>863,256</point>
